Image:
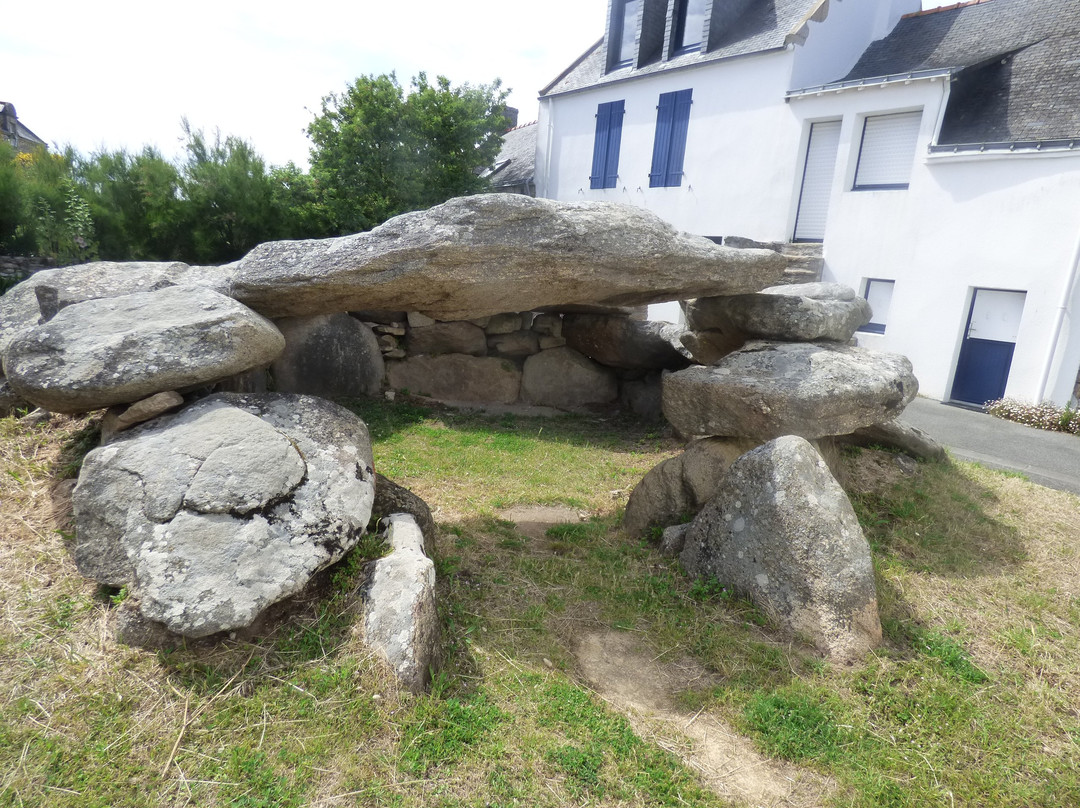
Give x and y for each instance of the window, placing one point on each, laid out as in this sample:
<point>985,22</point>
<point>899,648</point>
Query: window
<point>689,24</point>
<point>624,19</point>
<point>605,158</point>
<point>887,151</point>
<point>878,294</point>
<point>672,121</point>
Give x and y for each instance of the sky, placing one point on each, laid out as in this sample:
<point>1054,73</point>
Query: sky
<point>123,73</point>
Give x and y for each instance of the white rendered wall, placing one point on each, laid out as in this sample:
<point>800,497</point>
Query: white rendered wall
<point>1001,221</point>
<point>741,147</point>
<point>834,44</point>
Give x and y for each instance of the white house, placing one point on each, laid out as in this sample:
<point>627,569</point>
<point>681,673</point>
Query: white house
<point>936,155</point>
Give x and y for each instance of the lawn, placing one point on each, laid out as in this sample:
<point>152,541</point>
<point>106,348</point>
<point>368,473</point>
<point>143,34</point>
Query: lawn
<point>580,667</point>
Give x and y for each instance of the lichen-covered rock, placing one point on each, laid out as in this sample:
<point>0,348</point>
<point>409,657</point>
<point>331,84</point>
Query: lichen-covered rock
<point>766,389</point>
<point>328,355</point>
<point>123,349</point>
<point>898,435</point>
<point>678,487</point>
<point>391,498</point>
<point>564,379</point>
<point>792,312</point>
<point>781,532</point>
<point>620,342</point>
<point>215,513</point>
<point>401,622</point>
<point>493,253</point>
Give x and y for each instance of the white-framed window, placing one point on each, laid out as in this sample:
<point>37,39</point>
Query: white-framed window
<point>878,293</point>
<point>887,151</point>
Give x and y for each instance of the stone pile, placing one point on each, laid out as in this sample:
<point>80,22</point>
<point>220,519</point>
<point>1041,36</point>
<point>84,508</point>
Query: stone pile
<point>772,523</point>
<point>212,508</point>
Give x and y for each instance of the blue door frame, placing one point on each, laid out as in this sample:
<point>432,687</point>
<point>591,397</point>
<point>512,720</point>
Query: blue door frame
<point>982,370</point>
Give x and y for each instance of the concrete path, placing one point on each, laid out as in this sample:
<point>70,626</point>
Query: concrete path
<point>1047,458</point>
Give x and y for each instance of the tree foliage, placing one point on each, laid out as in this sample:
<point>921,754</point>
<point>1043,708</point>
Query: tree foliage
<point>378,151</point>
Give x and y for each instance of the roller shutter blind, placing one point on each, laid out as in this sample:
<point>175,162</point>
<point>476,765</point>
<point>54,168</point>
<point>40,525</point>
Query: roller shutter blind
<point>817,181</point>
<point>887,151</point>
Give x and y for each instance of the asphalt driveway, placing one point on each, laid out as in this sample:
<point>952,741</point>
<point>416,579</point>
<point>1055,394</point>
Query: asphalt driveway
<point>1047,458</point>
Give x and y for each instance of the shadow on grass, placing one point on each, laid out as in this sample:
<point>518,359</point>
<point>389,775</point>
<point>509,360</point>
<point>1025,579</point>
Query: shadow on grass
<point>615,431</point>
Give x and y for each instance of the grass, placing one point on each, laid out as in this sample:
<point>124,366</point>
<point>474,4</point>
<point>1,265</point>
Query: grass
<point>971,701</point>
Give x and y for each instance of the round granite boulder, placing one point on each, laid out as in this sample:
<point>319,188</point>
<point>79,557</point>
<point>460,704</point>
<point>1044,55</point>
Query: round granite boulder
<point>122,349</point>
<point>211,515</point>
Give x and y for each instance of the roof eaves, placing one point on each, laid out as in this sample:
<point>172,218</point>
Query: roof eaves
<point>801,30</point>
<point>875,81</point>
<point>668,70</point>
<point>1008,146</point>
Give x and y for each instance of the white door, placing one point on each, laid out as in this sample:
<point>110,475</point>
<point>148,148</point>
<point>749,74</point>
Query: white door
<point>817,181</point>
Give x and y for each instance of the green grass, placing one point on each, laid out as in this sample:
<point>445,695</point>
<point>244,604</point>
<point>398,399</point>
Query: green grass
<point>971,701</point>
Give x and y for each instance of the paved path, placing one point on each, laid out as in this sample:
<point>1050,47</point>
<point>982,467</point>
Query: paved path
<point>1047,458</point>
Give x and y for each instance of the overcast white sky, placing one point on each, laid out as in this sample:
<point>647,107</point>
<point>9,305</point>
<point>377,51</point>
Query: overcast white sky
<point>122,73</point>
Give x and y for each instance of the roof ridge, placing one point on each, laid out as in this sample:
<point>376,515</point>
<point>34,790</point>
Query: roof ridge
<point>522,126</point>
<point>953,7</point>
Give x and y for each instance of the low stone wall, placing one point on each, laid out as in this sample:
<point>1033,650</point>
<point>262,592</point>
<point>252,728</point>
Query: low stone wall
<point>519,358</point>
<point>15,268</point>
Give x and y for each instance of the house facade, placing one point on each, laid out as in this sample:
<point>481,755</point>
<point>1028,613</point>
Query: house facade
<point>14,132</point>
<point>931,153</point>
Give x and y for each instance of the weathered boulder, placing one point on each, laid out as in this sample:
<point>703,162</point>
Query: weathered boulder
<point>516,344</point>
<point>10,401</point>
<point>122,349</point>
<point>709,347</point>
<point>792,313</point>
<point>678,487</point>
<point>400,621</point>
<point>457,377</point>
<point>328,355</point>
<point>643,395</point>
<point>215,513</point>
<point>43,294</point>
<point>898,435</point>
<point>391,498</point>
<point>564,379</point>
<point>781,532</point>
<point>491,253</point>
<point>620,342</point>
<point>766,389</point>
<point>119,418</point>
<point>447,338</point>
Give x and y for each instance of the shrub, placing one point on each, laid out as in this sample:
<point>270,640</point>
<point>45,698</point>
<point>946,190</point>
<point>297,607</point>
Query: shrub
<point>1041,416</point>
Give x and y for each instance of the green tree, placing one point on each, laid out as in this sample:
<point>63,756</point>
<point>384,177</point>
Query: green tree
<point>11,198</point>
<point>377,151</point>
<point>135,203</point>
<point>230,204</point>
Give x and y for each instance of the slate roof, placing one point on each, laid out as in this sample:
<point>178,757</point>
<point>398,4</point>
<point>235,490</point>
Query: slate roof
<point>22,132</point>
<point>1015,63</point>
<point>516,162</point>
<point>765,25</point>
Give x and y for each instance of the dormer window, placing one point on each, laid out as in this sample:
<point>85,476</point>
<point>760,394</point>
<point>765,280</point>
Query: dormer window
<point>624,20</point>
<point>689,25</point>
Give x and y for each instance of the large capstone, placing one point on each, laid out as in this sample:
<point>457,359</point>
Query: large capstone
<point>781,532</point>
<point>214,514</point>
<point>766,389</point>
<point>800,312</point>
<point>482,255</point>
<point>123,349</point>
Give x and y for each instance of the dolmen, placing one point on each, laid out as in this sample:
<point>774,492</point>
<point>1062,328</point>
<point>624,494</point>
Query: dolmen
<point>223,485</point>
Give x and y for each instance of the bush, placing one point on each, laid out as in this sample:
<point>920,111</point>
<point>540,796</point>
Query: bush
<point>1041,416</point>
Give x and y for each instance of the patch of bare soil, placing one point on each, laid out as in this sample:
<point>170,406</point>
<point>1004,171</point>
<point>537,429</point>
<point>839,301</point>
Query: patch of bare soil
<point>640,686</point>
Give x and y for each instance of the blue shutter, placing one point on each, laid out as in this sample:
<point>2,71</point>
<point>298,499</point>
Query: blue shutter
<point>605,161</point>
<point>599,154</point>
<point>669,147</point>
<point>611,170</point>
<point>665,113</point>
<point>679,126</point>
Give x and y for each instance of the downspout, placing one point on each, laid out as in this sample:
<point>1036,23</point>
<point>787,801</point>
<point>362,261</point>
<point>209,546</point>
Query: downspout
<point>549,136</point>
<point>1059,322</point>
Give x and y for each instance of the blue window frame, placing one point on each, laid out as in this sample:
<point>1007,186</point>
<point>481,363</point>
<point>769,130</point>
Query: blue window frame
<point>689,25</point>
<point>878,293</point>
<point>623,33</point>
<point>669,146</point>
<point>605,158</point>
